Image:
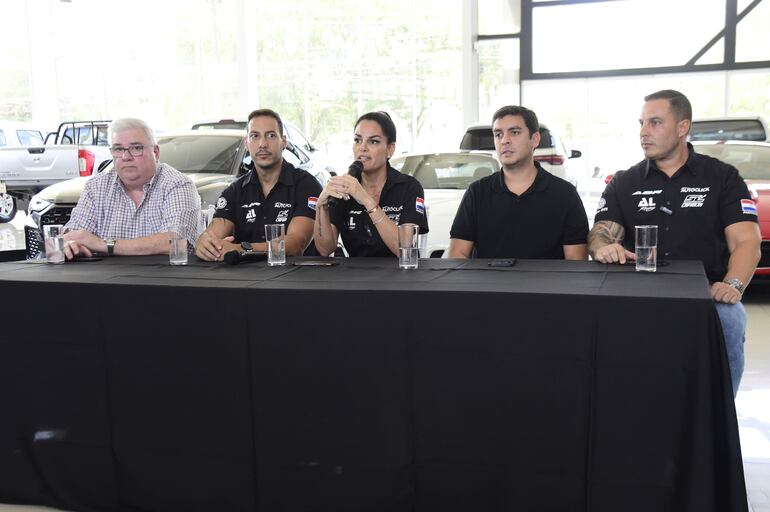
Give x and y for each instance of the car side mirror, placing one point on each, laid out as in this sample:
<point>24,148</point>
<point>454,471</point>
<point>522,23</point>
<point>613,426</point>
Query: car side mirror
<point>103,165</point>
<point>575,153</point>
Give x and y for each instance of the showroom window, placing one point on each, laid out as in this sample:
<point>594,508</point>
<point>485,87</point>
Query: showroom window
<point>498,75</point>
<point>631,34</point>
<point>751,34</point>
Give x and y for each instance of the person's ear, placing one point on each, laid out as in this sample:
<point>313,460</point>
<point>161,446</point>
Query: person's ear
<point>535,139</point>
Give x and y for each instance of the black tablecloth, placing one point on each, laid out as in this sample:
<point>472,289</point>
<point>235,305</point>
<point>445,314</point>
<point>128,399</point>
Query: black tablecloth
<point>128,384</point>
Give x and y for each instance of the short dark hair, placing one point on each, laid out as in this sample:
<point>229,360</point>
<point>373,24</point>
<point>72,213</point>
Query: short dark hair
<point>530,118</point>
<point>269,113</point>
<point>680,105</point>
<point>383,119</point>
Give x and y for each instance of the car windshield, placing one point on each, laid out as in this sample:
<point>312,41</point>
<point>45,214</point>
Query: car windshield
<point>752,161</point>
<point>481,139</point>
<point>446,170</point>
<point>200,153</point>
<point>728,129</point>
<point>29,137</point>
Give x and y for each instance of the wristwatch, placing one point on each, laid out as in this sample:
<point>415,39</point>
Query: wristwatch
<point>110,245</point>
<point>736,283</point>
<point>246,246</point>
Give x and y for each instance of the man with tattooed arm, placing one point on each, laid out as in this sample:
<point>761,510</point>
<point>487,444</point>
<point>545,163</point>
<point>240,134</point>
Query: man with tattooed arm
<point>701,206</point>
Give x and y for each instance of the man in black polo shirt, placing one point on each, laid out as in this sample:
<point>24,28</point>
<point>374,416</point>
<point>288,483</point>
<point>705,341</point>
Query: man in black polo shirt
<point>523,211</point>
<point>272,192</point>
<point>701,206</point>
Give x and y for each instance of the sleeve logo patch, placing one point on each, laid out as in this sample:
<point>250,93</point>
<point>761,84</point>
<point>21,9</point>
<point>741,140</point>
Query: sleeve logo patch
<point>419,205</point>
<point>221,203</point>
<point>311,202</point>
<point>748,207</point>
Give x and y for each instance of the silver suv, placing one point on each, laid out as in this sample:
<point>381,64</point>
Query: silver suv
<point>730,128</point>
<point>551,153</point>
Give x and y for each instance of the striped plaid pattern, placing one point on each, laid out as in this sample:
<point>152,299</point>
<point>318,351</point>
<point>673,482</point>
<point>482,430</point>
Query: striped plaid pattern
<point>106,210</point>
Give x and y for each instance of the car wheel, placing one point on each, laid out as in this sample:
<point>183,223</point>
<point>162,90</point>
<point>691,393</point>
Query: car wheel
<point>7,207</point>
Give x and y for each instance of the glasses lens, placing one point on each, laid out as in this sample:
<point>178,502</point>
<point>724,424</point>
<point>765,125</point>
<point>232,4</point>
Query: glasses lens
<point>136,150</point>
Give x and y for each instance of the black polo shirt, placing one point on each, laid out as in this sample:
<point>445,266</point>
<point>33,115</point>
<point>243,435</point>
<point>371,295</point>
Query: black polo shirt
<point>691,209</point>
<point>402,200</point>
<point>533,225</point>
<point>295,194</point>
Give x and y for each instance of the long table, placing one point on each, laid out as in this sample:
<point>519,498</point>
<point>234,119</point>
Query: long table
<point>131,385</point>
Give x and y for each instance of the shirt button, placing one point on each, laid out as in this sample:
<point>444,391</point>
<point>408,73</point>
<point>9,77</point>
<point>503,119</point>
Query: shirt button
<point>666,228</point>
<point>668,203</point>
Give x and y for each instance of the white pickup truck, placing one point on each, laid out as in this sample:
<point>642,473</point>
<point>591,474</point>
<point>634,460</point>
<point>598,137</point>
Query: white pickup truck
<point>27,165</point>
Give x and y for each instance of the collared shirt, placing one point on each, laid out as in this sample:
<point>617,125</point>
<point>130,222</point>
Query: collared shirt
<point>535,225</point>
<point>242,203</point>
<point>106,210</point>
<point>401,199</point>
<point>691,209</point>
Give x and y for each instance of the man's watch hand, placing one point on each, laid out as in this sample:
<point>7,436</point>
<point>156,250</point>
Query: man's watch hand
<point>737,284</point>
<point>723,292</point>
<point>110,242</point>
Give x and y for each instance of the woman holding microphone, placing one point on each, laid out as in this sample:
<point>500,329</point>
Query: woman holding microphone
<point>366,208</point>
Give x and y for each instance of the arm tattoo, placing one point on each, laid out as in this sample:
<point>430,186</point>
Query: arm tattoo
<point>603,233</point>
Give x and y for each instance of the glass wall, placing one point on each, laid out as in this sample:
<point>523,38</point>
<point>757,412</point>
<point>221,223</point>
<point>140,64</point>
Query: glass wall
<point>599,116</point>
<point>322,63</point>
<point>319,63</point>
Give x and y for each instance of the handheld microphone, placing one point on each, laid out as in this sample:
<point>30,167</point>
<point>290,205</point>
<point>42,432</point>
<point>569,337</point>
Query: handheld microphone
<point>355,170</point>
<point>235,257</point>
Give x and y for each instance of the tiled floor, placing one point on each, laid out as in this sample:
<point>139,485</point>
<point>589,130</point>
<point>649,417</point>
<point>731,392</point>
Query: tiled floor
<point>753,400</point>
<point>752,403</point>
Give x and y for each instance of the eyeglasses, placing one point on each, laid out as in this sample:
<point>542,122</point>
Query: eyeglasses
<point>133,149</point>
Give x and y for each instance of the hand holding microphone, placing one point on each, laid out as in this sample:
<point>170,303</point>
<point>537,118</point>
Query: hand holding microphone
<point>355,170</point>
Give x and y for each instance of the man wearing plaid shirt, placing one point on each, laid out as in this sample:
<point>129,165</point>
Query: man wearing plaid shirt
<point>128,210</point>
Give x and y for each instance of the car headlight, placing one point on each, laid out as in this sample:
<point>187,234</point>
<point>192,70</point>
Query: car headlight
<point>38,204</point>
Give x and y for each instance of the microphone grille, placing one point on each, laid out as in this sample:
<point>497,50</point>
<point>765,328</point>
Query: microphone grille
<point>232,257</point>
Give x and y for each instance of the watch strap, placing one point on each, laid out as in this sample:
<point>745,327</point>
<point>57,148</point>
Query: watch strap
<point>736,283</point>
<point>110,246</point>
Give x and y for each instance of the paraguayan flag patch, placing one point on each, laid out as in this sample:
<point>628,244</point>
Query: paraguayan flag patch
<point>311,202</point>
<point>748,207</point>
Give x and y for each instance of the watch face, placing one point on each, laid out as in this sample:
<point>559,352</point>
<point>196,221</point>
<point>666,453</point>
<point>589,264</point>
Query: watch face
<point>246,246</point>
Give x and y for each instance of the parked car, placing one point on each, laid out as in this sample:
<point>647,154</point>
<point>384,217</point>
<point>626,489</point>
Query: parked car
<point>752,159</point>
<point>212,159</point>
<point>293,134</point>
<point>13,134</point>
<point>75,149</point>
<point>551,153</point>
<point>445,177</point>
<point>730,128</point>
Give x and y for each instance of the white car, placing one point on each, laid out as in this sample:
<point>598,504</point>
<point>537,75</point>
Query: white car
<point>551,153</point>
<point>445,177</point>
